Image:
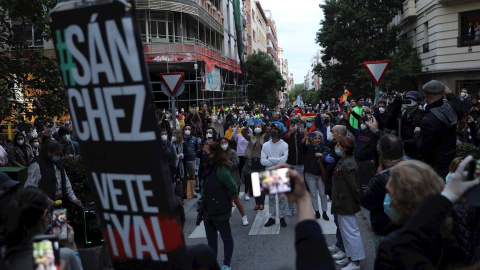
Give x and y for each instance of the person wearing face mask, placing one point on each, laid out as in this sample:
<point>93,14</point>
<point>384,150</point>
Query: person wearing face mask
<point>70,147</point>
<point>274,152</point>
<point>296,157</point>
<point>234,160</point>
<point>366,139</point>
<point>192,146</point>
<point>47,173</point>
<point>218,189</point>
<point>28,133</point>
<point>390,150</point>
<point>466,99</point>
<point>345,203</point>
<point>252,157</point>
<point>241,147</point>
<point>380,113</point>
<point>21,153</point>
<point>35,144</point>
<point>218,120</point>
<point>170,117</point>
<point>181,150</point>
<point>169,153</point>
<point>410,118</point>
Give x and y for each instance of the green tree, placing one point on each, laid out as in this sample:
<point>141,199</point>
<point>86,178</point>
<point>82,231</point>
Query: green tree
<point>299,88</point>
<point>30,83</point>
<point>265,79</point>
<point>357,31</point>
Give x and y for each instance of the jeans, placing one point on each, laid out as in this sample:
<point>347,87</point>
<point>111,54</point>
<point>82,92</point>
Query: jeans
<point>317,187</point>
<point>222,226</point>
<point>339,243</point>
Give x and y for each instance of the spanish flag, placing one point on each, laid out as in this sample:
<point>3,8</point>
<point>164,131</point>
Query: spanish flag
<point>346,93</point>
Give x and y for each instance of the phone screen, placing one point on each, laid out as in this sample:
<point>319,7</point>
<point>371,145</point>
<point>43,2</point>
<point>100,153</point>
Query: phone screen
<point>270,182</point>
<point>59,223</point>
<point>46,254</point>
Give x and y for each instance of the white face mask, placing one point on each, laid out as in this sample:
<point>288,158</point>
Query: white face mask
<point>187,132</point>
<point>241,112</point>
<point>20,142</point>
<point>464,94</point>
<point>67,122</point>
<point>208,136</point>
<point>258,130</point>
<point>381,110</point>
<point>164,138</point>
<point>363,126</point>
<point>36,144</point>
<point>224,147</point>
<point>34,133</point>
<point>174,139</point>
<point>168,116</point>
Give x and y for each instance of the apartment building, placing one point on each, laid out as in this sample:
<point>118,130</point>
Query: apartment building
<point>259,28</point>
<point>272,43</point>
<point>447,46</point>
<point>309,81</point>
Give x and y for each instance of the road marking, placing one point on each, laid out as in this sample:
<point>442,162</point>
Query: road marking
<point>328,227</point>
<point>199,232</point>
<point>261,218</point>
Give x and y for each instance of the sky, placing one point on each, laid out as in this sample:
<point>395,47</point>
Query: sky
<point>297,23</point>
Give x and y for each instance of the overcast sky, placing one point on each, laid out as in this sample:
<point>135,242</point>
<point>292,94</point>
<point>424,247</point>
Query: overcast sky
<point>297,24</point>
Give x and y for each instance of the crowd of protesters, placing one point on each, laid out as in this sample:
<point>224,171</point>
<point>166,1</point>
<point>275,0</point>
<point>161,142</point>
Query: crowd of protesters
<point>386,157</point>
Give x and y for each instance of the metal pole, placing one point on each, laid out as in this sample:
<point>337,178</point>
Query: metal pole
<point>377,93</point>
<point>173,115</point>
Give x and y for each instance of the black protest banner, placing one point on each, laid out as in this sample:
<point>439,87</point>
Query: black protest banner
<point>110,99</point>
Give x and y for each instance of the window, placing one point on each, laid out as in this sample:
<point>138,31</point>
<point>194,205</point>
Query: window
<point>254,35</point>
<point>157,28</point>
<point>469,28</point>
<point>425,37</point>
<point>32,37</point>
<point>473,87</point>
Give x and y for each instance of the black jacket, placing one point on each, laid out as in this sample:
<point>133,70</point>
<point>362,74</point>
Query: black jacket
<point>409,122</point>
<point>295,148</point>
<point>372,199</point>
<point>311,248</point>
<point>466,222</point>
<point>418,245</point>
<point>437,139</point>
<point>311,165</point>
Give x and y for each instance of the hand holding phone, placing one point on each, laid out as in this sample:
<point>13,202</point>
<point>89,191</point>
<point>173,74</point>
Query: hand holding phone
<point>459,184</point>
<point>46,252</point>
<point>271,182</point>
<point>59,223</point>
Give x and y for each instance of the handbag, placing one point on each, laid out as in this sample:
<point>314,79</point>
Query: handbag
<point>322,169</point>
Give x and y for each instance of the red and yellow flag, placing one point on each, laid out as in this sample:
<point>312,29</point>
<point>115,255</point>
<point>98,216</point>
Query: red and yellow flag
<point>345,95</point>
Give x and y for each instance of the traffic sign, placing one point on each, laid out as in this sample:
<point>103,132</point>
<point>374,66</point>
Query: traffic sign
<point>377,69</point>
<point>172,84</point>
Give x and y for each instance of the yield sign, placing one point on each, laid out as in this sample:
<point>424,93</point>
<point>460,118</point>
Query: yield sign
<point>172,81</point>
<point>377,69</point>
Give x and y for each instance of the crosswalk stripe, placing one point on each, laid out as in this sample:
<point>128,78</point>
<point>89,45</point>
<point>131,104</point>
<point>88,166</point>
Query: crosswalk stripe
<point>261,218</point>
<point>199,232</point>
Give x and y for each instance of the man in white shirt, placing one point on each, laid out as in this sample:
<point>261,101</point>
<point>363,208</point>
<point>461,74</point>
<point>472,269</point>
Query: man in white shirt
<point>274,152</point>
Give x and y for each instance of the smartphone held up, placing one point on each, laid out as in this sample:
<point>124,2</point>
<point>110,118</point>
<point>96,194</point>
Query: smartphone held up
<point>271,182</point>
<point>473,195</point>
<point>59,223</point>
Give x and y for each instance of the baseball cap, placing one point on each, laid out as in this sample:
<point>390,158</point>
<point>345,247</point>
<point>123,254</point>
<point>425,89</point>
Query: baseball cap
<point>413,95</point>
<point>6,181</point>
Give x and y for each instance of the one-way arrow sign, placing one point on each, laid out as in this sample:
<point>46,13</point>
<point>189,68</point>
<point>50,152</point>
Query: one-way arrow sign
<point>377,69</point>
<point>172,83</point>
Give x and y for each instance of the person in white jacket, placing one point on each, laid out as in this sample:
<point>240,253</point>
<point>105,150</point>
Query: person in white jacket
<point>218,122</point>
<point>274,152</point>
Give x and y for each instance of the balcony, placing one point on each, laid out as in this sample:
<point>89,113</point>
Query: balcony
<point>409,10</point>
<point>465,41</point>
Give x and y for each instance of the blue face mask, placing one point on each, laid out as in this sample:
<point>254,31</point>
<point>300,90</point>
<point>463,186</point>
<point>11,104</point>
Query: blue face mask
<point>247,117</point>
<point>338,152</point>
<point>56,158</point>
<point>391,213</point>
<point>447,178</point>
<point>309,125</point>
<point>206,158</point>
<point>235,116</point>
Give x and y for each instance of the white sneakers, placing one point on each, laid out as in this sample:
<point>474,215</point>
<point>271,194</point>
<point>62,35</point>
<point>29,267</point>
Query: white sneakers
<point>352,266</point>
<point>246,198</point>
<point>245,220</point>
<point>333,249</point>
<point>339,255</point>
<point>343,262</point>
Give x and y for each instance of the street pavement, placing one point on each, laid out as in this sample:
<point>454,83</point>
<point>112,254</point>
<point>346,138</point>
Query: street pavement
<point>273,248</point>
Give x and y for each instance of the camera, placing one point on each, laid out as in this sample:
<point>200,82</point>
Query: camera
<point>400,101</point>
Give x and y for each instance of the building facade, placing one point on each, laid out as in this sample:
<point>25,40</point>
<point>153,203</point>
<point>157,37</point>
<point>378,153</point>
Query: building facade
<point>272,43</point>
<point>446,35</point>
<point>259,28</point>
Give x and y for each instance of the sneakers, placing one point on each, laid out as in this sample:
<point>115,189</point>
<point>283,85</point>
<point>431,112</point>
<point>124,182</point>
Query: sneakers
<point>270,222</point>
<point>317,215</point>
<point>245,220</point>
<point>224,267</point>
<point>343,262</point>
<point>289,212</point>
<point>246,198</point>
<point>352,266</point>
<point>325,216</point>
<point>283,223</point>
<point>333,249</point>
<point>339,255</point>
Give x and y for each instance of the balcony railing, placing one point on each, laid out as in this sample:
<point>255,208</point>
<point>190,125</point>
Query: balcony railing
<point>465,41</point>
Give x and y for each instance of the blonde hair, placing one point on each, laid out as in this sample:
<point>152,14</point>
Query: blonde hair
<point>411,181</point>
